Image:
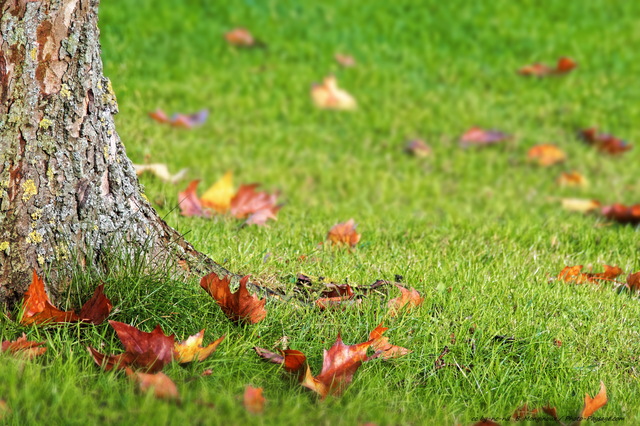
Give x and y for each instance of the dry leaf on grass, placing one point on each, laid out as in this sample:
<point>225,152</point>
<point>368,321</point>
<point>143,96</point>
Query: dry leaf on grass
<point>591,405</point>
<point>329,96</point>
<point>417,148</point>
<point>253,400</point>
<point>189,202</point>
<point>563,66</point>
<point>572,179</point>
<point>574,275</point>
<point>580,205</point>
<point>380,344</point>
<point>407,300</point>
<point>622,214</point>
<point>191,349</point>
<point>240,37</point>
<point>21,347</point>
<point>546,155</point>
<point>238,306</point>
<point>344,234</point>
<point>162,386</point>
<point>346,61</point>
<point>477,136</point>
<point>604,142</point>
<point>218,196</point>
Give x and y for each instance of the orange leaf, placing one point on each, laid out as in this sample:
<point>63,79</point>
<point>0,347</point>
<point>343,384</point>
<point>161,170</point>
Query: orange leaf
<point>240,37</point>
<point>477,136</point>
<point>622,214</point>
<point>189,202</point>
<point>23,348</point>
<point>344,233</point>
<point>37,309</point>
<point>339,365</point>
<point>604,142</point>
<point>574,274</point>
<point>253,400</point>
<point>191,349</point>
<point>591,405</point>
<point>633,282</point>
<point>382,347</point>
<point>546,154</point>
<point>248,201</point>
<point>563,66</point>
<point>162,386</point>
<point>408,299</point>
<point>571,179</point>
<point>218,196</point>
<point>159,115</point>
<point>346,61</point>
<point>238,306</point>
<point>328,96</point>
<point>291,360</point>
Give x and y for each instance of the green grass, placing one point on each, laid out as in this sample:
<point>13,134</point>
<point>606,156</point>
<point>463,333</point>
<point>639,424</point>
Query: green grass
<point>482,223</point>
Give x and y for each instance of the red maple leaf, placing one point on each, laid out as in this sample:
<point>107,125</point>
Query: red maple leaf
<point>238,306</point>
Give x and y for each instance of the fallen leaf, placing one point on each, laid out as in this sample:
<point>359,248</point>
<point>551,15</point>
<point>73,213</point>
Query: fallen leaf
<point>573,274</point>
<point>161,171</point>
<point>248,201</point>
<point>339,365</point>
<point>159,115</point>
<point>21,347</point>
<point>328,96</point>
<point>253,400</point>
<point>604,142</point>
<point>261,217</point>
<point>407,300</point>
<point>240,37</point>
<point>162,386</point>
<point>563,66</point>
<point>551,411</point>
<point>149,351</point>
<point>477,136</point>
<point>337,302</point>
<point>344,233</point>
<point>572,179</point>
<point>591,405</point>
<point>189,202</point>
<point>622,214</point>
<point>580,205</point>
<point>188,121</point>
<point>291,360</point>
<point>218,196</point>
<point>417,148</point>
<point>191,349</point>
<point>382,347</point>
<point>37,308</point>
<point>546,154</point>
<point>346,61</point>
<point>633,282</point>
<point>523,413</point>
<point>238,306</point>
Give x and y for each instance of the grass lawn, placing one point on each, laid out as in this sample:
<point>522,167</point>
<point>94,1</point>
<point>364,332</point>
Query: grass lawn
<point>479,232</point>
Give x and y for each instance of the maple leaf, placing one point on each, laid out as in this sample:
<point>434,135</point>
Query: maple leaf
<point>604,142</point>
<point>218,196</point>
<point>633,282</point>
<point>253,400</point>
<point>191,349</point>
<point>240,37</point>
<point>563,66</point>
<point>477,136</point>
<point>571,179</point>
<point>522,413</point>
<point>574,274</point>
<point>149,351</point>
<point>546,154</point>
<point>417,148</point>
<point>346,61</point>
<point>291,360</point>
<point>161,171</point>
<point>408,299</point>
<point>38,309</point>
<point>591,405</point>
<point>257,206</point>
<point>344,233</point>
<point>339,365</point>
<point>622,214</point>
<point>189,202</point>
<point>188,121</point>
<point>162,386</point>
<point>238,306</point>
<point>382,347</point>
<point>23,348</point>
<point>159,115</point>
<point>579,205</point>
<point>328,96</point>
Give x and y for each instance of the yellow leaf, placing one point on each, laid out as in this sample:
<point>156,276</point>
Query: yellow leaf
<point>218,196</point>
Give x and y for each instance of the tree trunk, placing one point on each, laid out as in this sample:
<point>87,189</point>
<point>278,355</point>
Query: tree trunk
<point>67,188</point>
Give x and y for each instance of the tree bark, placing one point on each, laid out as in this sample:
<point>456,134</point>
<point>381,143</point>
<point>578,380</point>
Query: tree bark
<point>68,192</point>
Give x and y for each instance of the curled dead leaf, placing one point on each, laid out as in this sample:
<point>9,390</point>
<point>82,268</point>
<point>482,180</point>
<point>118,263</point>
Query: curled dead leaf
<point>477,136</point>
<point>622,214</point>
<point>161,385</point>
<point>380,344</point>
<point>546,154</point>
<point>253,400</point>
<point>604,142</point>
<point>580,205</point>
<point>238,306</point>
<point>23,348</point>
<point>329,96</point>
<point>408,299</point>
<point>563,66</point>
<point>573,274</point>
<point>417,148</point>
<point>192,349</point>
<point>572,179</point>
<point>591,405</point>
<point>344,233</point>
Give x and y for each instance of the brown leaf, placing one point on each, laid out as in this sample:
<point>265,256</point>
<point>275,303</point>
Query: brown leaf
<point>591,405</point>
<point>622,214</point>
<point>551,411</point>
<point>37,309</point>
<point>96,309</point>
<point>21,347</point>
<point>573,274</point>
<point>563,66</point>
<point>418,148</point>
<point>546,154</point>
<point>248,201</point>
<point>109,362</point>
<point>240,37</point>
<point>339,365</point>
<point>149,351</point>
<point>572,179</point>
<point>191,349</point>
<point>159,115</point>
<point>290,359</point>
<point>522,413</point>
<point>162,386</point>
<point>346,61</point>
<point>382,347</point>
<point>329,96</point>
<point>344,233</point>
<point>604,142</point>
<point>238,306</point>
<point>633,282</point>
<point>337,302</point>
<point>477,136</point>
<point>261,217</point>
<point>253,400</point>
<point>189,202</point>
<point>407,300</point>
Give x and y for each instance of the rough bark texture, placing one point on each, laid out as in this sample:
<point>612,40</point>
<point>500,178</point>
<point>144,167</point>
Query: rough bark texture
<point>67,187</point>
